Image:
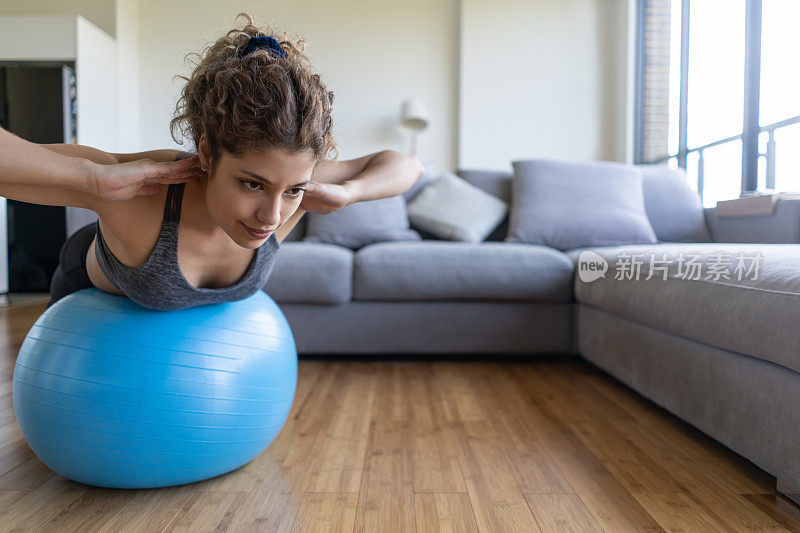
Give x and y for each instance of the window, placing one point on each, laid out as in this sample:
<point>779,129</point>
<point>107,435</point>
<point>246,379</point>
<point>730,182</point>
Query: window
<point>718,94</point>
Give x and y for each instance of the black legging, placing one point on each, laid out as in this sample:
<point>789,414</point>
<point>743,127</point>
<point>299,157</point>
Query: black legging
<point>71,275</point>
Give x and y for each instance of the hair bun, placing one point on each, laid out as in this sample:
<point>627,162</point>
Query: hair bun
<point>263,43</point>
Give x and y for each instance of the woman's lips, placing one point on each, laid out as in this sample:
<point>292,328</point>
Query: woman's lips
<point>255,234</point>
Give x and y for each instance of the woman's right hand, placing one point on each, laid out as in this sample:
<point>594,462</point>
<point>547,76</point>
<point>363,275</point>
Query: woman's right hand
<point>144,177</point>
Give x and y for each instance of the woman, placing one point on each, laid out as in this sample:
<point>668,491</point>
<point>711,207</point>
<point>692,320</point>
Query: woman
<point>260,120</point>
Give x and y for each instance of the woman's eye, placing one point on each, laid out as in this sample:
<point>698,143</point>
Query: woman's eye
<point>244,182</point>
<point>297,191</point>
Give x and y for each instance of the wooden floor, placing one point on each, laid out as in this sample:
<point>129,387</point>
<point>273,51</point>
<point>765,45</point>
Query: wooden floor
<point>428,446</point>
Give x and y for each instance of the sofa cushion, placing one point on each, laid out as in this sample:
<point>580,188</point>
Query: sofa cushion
<point>497,183</point>
<point>673,207</point>
<point>754,313</point>
<point>567,204</point>
<point>362,223</point>
<point>461,271</point>
<point>307,272</point>
<point>451,208</point>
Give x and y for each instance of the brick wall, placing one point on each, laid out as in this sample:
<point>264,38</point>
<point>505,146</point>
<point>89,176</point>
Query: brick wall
<point>655,97</point>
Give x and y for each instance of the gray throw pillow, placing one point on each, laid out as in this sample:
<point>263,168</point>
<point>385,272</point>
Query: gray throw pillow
<point>452,209</point>
<point>673,207</point>
<point>568,204</point>
<point>362,223</point>
<point>497,183</point>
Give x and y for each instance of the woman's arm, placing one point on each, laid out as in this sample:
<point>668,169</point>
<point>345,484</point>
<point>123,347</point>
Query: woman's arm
<point>336,184</point>
<point>388,173</point>
<point>153,155</point>
<point>120,177</point>
<point>287,227</point>
<point>379,175</point>
<point>79,176</point>
<point>108,158</point>
<point>84,152</point>
<point>26,163</point>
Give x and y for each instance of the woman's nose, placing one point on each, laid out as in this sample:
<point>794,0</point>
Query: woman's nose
<point>270,213</point>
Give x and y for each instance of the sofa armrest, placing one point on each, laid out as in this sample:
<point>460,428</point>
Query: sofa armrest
<point>782,226</point>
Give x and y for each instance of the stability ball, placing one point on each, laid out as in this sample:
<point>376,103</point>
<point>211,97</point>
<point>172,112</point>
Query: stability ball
<point>112,394</point>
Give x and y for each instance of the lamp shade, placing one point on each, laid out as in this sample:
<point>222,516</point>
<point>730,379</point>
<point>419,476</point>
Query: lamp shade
<point>413,115</point>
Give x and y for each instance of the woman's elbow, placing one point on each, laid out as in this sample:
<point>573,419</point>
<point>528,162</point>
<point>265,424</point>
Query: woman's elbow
<point>417,168</point>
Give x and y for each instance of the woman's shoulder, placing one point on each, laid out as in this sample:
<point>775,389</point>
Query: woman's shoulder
<point>134,225</point>
<point>137,210</point>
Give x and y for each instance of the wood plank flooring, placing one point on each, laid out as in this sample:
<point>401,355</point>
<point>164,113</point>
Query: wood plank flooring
<point>426,445</point>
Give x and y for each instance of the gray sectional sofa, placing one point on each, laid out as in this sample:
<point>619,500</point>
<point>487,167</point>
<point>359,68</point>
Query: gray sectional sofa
<point>721,354</point>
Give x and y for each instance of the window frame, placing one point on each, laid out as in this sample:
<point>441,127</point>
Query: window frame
<point>752,83</point>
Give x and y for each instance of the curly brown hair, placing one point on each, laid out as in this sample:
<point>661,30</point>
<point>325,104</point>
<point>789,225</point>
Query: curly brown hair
<point>257,102</point>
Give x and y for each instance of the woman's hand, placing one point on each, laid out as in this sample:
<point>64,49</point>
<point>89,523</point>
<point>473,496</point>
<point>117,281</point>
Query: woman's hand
<point>323,198</point>
<point>144,177</point>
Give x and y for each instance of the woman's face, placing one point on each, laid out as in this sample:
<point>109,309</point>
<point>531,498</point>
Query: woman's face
<point>259,189</point>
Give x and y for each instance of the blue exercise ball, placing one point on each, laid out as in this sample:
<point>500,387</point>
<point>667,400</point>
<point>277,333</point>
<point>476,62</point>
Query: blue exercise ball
<point>112,394</point>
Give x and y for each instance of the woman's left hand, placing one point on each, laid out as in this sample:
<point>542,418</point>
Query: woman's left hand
<point>142,177</point>
<point>323,198</point>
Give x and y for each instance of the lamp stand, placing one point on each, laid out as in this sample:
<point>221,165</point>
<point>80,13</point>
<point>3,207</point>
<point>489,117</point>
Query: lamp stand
<point>413,144</point>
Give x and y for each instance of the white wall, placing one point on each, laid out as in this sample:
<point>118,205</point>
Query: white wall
<point>96,75</point>
<point>128,66</point>
<point>373,55</point>
<point>501,79</point>
<point>542,78</point>
<point>99,12</point>
<point>61,43</point>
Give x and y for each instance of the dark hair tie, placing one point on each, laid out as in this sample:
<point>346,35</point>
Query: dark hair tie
<point>263,43</point>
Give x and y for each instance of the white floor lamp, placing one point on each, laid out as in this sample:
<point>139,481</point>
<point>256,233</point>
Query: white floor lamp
<point>414,119</point>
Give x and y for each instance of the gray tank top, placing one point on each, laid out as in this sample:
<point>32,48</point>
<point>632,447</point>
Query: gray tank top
<point>159,284</point>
